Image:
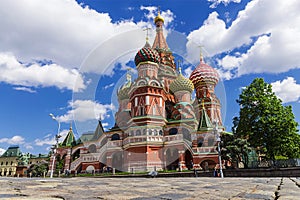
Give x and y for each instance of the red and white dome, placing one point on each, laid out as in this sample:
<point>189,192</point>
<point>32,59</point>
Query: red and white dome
<point>146,54</point>
<point>205,74</point>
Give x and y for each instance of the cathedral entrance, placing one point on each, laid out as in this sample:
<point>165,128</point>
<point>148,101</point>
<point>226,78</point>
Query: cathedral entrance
<point>188,160</point>
<point>208,164</point>
<point>172,159</point>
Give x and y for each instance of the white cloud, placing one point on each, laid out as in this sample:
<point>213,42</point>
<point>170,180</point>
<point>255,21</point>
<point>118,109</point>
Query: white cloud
<point>34,75</point>
<point>50,139</point>
<point>2,151</point>
<point>109,86</point>
<point>271,41</point>
<point>84,110</point>
<point>287,90</point>
<point>152,13</point>
<point>14,140</point>
<point>65,32</point>
<point>215,3</point>
<point>25,89</point>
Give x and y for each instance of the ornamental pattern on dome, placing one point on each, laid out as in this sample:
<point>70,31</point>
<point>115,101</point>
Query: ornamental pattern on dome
<point>204,73</point>
<point>181,83</point>
<point>146,54</point>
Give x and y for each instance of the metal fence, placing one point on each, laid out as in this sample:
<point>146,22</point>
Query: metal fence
<point>275,163</point>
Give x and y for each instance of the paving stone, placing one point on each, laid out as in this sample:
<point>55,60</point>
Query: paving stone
<point>143,188</point>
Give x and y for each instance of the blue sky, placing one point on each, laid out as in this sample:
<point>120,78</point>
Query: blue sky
<point>69,57</point>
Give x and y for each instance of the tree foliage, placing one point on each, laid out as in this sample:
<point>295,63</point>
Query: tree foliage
<point>266,123</point>
<point>38,169</point>
<point>235,148</point>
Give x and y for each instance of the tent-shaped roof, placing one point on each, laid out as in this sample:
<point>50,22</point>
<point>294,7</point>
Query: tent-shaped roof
<point>69,140</point>
<point>204,123</point>
<point>98,132</point>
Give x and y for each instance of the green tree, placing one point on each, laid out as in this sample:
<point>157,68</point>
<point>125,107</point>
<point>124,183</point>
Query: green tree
<point>236,149</point>
<point>38,169</point>
<point>266,123</point>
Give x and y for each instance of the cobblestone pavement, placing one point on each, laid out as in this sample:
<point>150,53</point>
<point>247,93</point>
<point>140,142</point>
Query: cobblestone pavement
<point>150,188</point>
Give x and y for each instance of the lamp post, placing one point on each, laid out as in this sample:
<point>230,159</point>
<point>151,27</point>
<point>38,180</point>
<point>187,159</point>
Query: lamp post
<point>217,133</point>
<point>54,147</point>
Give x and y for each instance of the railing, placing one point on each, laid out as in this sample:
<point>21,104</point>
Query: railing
<point>202,150</point>
<point>90,157</point>
<point>170,138</point>
<point>138,139</point>
<point>275,163</point>
<point>116,143</point>
<point>75,163</point>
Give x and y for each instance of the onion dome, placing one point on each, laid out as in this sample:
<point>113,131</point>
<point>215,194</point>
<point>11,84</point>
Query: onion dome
<point>158,18</point>
<point>123,92</point>
<point>181,83</point>
<point>204,73</point>
<point>146,54</point>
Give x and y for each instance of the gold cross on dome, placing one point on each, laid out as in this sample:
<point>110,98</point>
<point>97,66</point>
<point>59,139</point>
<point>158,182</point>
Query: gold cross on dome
<point>201,53</point>
<point>179,66</point>
<point>147,33</point>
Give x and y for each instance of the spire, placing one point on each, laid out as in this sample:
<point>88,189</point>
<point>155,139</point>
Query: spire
<point>147,37</point>
<point>160,41</point>
<point>70,139</point>
<point>201,54</point>
<point>204,123</point>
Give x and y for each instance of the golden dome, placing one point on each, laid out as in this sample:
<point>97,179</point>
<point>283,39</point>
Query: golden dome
<point>181,83</point>
<point>159,18</point>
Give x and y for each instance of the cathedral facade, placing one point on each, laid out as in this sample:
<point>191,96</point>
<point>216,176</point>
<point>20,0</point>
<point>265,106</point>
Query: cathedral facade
<point>159,126</point>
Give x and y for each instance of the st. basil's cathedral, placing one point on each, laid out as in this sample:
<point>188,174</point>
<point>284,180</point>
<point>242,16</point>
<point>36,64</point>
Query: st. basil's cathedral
<point>158,125</point>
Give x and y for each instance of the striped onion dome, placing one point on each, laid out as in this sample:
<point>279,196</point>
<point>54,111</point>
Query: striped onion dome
<point>146,54</point>
<point>204,73</point>
<point>181,83</point>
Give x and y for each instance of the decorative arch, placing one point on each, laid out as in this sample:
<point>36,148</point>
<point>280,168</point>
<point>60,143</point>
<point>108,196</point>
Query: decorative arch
<point>115,136</point>
<point>154,83</point>
<point>141,82</point>
<point>90,169</point>
<point>173,131</point>
<point>138,133</point>
<point>208,164</point>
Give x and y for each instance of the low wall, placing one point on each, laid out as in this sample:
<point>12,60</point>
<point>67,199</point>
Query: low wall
<point>263,172</point>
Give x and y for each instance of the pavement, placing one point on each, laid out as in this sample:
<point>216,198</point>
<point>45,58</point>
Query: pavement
<point>149,188</point>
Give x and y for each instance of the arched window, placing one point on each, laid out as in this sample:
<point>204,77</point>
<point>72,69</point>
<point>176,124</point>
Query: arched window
<point>173,131</point>
<point>141,110</point>
<point>138,133</point>
<point>144,131</point>
<point>115,136</point>
<point>160,132</point>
